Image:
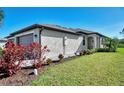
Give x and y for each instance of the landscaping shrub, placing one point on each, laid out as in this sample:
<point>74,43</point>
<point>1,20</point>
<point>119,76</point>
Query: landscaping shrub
<point>0,52</point>
<point>12,57</point>
<point>36,52</point>
<point>102,50</point>
<point>114,46</point>
<point>110,45</point>
<point>106,50</point>
<point>87,52</point>
<point>92,51</point>
<point>81,53</point>
<point>61,57</point>
<point>49,61</point>
<point>120,45</point>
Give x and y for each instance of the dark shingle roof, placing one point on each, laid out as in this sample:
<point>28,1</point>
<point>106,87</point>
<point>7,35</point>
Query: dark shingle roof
<point>76,31</point>
<point>58,27</point>
<point>47,26</point>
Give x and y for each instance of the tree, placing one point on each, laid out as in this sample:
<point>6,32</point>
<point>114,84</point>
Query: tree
<point>122,32</point>
<point>115,42</point>
<point>1,16</point>
<point>112,44</point>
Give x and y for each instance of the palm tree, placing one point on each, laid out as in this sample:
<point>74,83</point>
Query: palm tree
<point>1,16</point>
<point>122,32</point>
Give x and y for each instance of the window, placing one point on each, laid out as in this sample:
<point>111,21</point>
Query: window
<point>25,40</point>
<point>83,40</point>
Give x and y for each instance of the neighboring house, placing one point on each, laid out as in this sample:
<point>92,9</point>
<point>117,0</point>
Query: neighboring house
<point>60,40</point>
<point>2,42</point>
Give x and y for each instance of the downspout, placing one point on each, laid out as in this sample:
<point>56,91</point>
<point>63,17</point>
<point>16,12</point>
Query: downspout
<point>41,29</point>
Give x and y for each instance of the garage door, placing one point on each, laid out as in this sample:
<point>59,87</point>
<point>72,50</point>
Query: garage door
<point>26,39</point>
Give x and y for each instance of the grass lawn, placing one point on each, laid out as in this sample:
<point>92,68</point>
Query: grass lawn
<point>96,69</point>
<point>0,51</point>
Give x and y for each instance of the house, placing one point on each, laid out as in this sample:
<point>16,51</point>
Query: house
<point>60,40</point>
<point>2,42</point>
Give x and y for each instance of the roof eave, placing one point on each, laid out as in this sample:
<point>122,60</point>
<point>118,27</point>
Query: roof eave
<point>98,34</point>
<point>39,26</point>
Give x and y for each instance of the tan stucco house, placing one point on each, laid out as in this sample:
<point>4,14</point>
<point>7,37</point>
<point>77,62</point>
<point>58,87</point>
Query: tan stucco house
<point>60,40</point>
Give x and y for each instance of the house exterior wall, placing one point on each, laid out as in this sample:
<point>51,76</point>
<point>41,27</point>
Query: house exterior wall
<point>98,41</point>
<point>2,44</point>
<point>61,43</point>
<point>37,35</point>
<point>101,42</point>
<point>84,47</point>
<point>33,31</point>
<point>94,41</point>
<point>25,39</point>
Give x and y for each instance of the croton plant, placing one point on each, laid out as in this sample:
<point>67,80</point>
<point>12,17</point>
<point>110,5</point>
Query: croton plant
<point>14,55</point>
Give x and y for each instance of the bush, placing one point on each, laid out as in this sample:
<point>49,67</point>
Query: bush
<point>103,50</point>
<point>87,52</point>
<point>12,57</point>
<point>92,51</point>
<point>82,53</point>
<point>106,50</point>
<point>120,45</point>
<point>36,52</point>
<point>49,61</point>
<point>111,45</point>
<point>61,57</point>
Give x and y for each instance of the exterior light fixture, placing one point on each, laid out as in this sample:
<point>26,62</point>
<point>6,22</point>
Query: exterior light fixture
<point>35,35</point>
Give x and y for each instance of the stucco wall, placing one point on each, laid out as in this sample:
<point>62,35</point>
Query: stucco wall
<point>2,44</point>
<point>54,41</point>
<point>97,41</point>
<point>33,31</point>
<point>101,43</point>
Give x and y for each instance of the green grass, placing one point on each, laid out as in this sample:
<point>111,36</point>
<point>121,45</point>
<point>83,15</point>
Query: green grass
<point>0,52</point>
<point>97,69</point>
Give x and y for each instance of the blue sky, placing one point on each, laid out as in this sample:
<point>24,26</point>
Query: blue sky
<point>108,21</point>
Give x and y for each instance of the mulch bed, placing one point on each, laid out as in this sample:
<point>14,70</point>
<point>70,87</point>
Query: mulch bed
<point>25,76</point>
<point>22,78</point>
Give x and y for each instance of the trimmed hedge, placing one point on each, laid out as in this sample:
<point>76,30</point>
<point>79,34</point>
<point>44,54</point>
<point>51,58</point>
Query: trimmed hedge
<point>106,50</point>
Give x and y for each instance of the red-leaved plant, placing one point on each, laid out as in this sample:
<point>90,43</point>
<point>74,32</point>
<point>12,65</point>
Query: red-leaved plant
<point>12,58</point>
<point>36,52</point>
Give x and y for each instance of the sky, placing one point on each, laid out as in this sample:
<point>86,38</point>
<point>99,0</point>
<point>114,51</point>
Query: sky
<point>107,21</point>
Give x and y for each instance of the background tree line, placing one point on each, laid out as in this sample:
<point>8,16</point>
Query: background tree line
<point>1,16</point>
